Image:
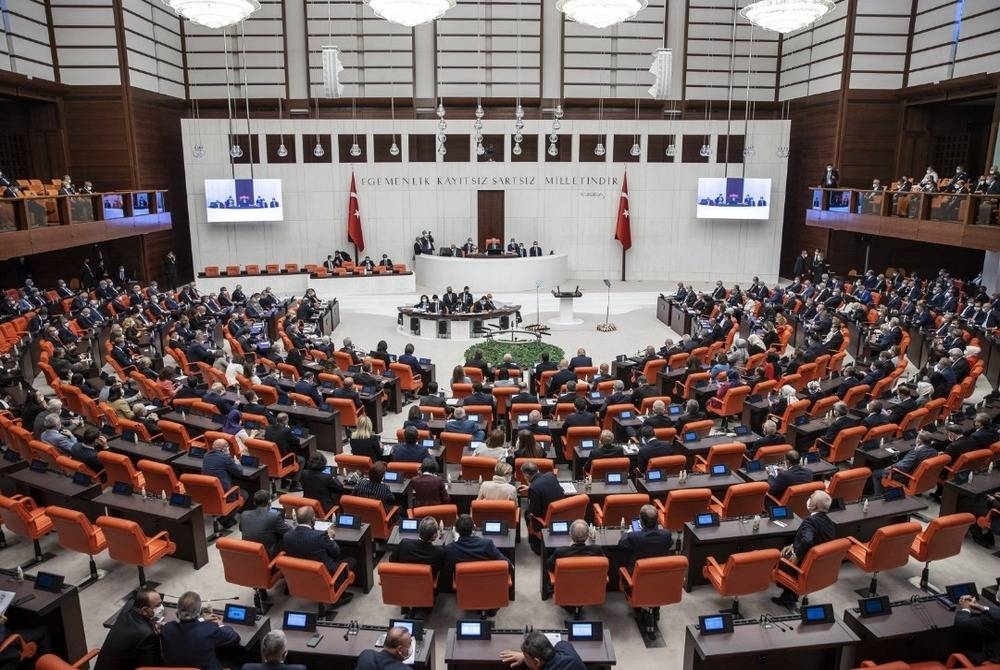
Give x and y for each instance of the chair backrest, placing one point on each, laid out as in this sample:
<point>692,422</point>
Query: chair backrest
<point>245,563</point>
<point>764,387</point>
<point>658,581</point>
<point>846,443</point>
<point>692,381</point>
<point>976,460</point>
<point>912,421</point>
<point>889,547</point>
<point>408,469</point>
<point>793,411</point>
<point>796,496</point>
<point>772,453</point>
<point>580,580</point>
<point>205,490</point>
<point>732,401</point>
<point>267,453</point>
<point>75,531</point>
<point>504,511</point>
<point>942,538</point>
<point>652,367</point>
<point>306,579</point>
<point>119,468</point>
<point>126,541</point>
<point>43,451</point>
<point>670,465</point>
<point>926,475</point>
<point>934,408</point>
<point>475,467</point>
<point>482,584</point>
<point>821,565</point>
<point>301,399</point>
<point>348,411</point>
<point>749,572</point>
<point>454,444</point>
<point>445,514</point>
<point>614,410</point>
<point>600,467</point>
<point>370,511</point>
<point>16,515</point>
<point>744,499</point>
<point>822,406</point>
<point>406,584</point>
<point>570,508</point>
<point>267,394</point>
<point>160,477</point>
<point>702,428</point>
<point>665,434</point>
<point>684,505</point>
<point>623,506</point>
<point>730,454</point>
<point>856,394</point>
<point>544,465</point>
<point>352,463</point>
<point>175,433</point>
<point>849,485</point>
<point>885,431</point>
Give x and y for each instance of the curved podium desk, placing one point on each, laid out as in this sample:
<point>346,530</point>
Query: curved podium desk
<point>498,274</point>
<point>459,326</point>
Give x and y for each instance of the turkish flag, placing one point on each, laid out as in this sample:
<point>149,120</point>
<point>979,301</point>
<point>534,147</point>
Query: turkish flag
<point>623,228</point>
<point>354,232</point>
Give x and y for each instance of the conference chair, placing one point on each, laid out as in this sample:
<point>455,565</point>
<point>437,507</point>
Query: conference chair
<point>76,533</point>
<point>176,433</point>
<point>819,569</point>
<point>822,407</point>
<point>563,409</point>
<point>670,465</point>
<point>484,412</point>
<point>119,468</point>
<point>876,435</point>
<point>843,446</point>
<point>793,411</point>
<point>836,364</point>
<point>278,466</point>
<point>542,383</point>
<point>53,662</point>
<point>731,455</point>
<point>681,506</point>
<point>822,362</point>
<point>43,451</point>
<point>506,512</point>
<point>474,374</point>
<point>924,478</point>
<point>855,395</point>
<point>881,387</point>
<point>407,383</point>
<point>522,409</point>
<point>290,502</point>
<point>619,508</point>
<point>435,412</point>
<point>477,468</point>
<point>206,490</point>
<point>70,466</point>
<point>887,549</point>
<point>976,460</point>
<point>954,661</point>
<point>409,470</point>
<point>579,581</point>
<point>569,508</point>
<point>653,582</point>
<point>408,586</point>
<point>849,485</point>
<point>127,543</point>
<point>544,465</point>
<point>740,500</point>
<point>665,434</point>
<point>351,463</point>
<point>650,370</point>
<point>701,428</point>
<point>444,514</point>
<point>772,454</point>
<point>935,409</point>
<point>482,586</point>
<point>732,404</point>
<point>160,477</point>
<point>138,429</point>
<point>268,395</point>
<point>601,467</point>
<point>742,574</point>
<point>298,399</point>
<point>612,411</point>
<point>310,580</point>
<point>349,413</point>
<point>911,422</point>
<point>371,512</point>
<point>503,394</point>
<point>22,516</point>
<point>575,434</point>
<point>245,563</point>
<point>454,444</point>
<point>942,538</point>
<point>646,406</point>
<point>795,497</point>
<point>765,387</point>
<point>288,371</point>
<point>685,389</point>
<point>25,649</point>
<point>460,390</point>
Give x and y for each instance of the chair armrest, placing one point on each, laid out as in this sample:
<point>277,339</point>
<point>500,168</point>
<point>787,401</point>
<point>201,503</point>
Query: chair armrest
<point>235,489</point>
<point>858,543</point>
<point>775,418</point>
<point>959,661</point>
<point>288,456</point>
<point>820,440</point>
<point>660,505</point>
<point>624,575</point>
<point>715,501</point>
<point>273,564</point>
<point>788,563</point>
<point>155,437</point>
<point>86,657</point>
<point>389,515</point>
<point>162,535</point>
<point>897,471</point>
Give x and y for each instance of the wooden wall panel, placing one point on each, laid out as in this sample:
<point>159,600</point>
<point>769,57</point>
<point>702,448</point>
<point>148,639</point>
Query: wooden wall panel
<point>847,251</point>
<point>96,133</point>
<point>869,143</point>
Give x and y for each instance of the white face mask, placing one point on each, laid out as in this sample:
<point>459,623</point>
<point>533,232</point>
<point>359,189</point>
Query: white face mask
<point>158,613</point>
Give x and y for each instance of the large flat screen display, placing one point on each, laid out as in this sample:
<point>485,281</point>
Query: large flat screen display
<point>733,198</point>
<point>243,200</point>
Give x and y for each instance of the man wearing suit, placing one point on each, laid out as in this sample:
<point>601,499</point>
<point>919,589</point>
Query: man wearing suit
<point>216,396</point>
<point>480,397</point>
<point>348,392</point>
<point>904,406</point>
<point>264,525</point>
<point>581,360</point>
<point>450,300</point>
<point>306,542</point>
<point>195,641</point>
<point>816,528</point>
<point>395,649</point>
<point>466,548</point>
<point>280,433</point>
<point>133,640</point>
<point>830,178</point>
<point>841,420</point>
<point>522,396</point>
<point>412,361</point>
<point>581,417</point>
<point>535,250</point>
<point>307,387</point>
<point>273,650</point>
<point>432,399</point>
<point>559,378</point>
<point>648,541</point>
<point>219,463</point>
<point>542,490</point>
<point>794,473</point>
<point>650,447</point>
<point>423,550</point>
<point>579,533</point>
<point>980,626</point>
<point>459,424</point>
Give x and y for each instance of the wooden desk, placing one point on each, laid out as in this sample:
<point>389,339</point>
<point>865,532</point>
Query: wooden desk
<point>750,646</point>
<point>702,446</point>
<point>624,370</point>
<point>252,479</point>
<point>53,488</point>
<point>853,522</point>
<point>920,631</point>
<point>325,424</point>
<point>820,470</point>
<point>607,539</point>
<point>196,424</point>
<point>695,480</point>
<point>358,544</point>
<point>880,457</point>
<point>963,497</point>
<point>663,306</point>
<point>728,538</point>
<point>336,653</point>
<point>137,451</point>
<point>59,612</point>
<point>802,437</point>
<point>186,525</point>
<point>485,654</point>
<point>599,491</point>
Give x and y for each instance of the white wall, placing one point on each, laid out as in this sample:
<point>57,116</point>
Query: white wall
<point>575,218</point>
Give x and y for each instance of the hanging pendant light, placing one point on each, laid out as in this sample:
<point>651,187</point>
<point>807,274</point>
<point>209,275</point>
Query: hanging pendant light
<point>480,149</point>
<point>600,13</point>
<point>213,14</point>
<point>599,149</point>
<point>355,149</point>
<point>635,150</point>
<point>318,150</point>
<point>394,148</point>
<point>410,13</point>
<point>785,16</point>
<point>553,149</point>
<point>671,150</point>
<point>236,151</point>
<point>198,151</point>
<point>516,149</point>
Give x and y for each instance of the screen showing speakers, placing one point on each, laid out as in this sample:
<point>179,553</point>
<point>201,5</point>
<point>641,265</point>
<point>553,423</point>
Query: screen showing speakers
<point>243,200</point>
<point>733,198</point>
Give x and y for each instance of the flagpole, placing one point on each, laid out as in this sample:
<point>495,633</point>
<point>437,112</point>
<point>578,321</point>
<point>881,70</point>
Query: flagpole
<point>623,263</point>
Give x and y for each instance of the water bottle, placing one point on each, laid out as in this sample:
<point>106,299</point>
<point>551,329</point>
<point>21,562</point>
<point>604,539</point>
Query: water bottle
<point>971,475</point>
<point>19,574</point>
<point>448,478</point>
<point>588,483</point>
<point>135,437</point>
<point>864,506</point>
<point>756,523</point>
<point>142,492</point>
<point>623,524</point>
<point>592,533</point>
<point>480,480</point>
<point>183,414</point>
<point>441,526</point>
<point>989,468</point>
<point>683,477</point>
<point>163,496</point>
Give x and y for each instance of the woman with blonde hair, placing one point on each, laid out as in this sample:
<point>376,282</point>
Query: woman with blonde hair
<point>499,488</point>
<point>494,447</point>
<point>364,442</point>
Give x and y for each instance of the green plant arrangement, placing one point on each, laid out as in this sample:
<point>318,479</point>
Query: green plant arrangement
<point>525,354</point>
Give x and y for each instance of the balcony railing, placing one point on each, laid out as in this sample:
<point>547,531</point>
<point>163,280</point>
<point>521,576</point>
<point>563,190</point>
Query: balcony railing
<point>46,211</point>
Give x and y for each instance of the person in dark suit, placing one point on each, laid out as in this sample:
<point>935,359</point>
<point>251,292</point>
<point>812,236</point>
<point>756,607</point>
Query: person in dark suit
<point>221,464</point>
<point>306,542</point>
<point>561,377</point>
<point>907,403</point>
<point>581,360</point>
<point>407,358</point>
<point>480,397</point>
<point>581,417</point>
<point>535,249</point>
<point>522,396</point>
<point>281,434</point>
<point>264,525</point>
<point>579,533</point>
<point>422,549</point>
<point>394,650</point>
<point>816,528</point>
<point>650,447</point>
<point>649,540</point>
<point>349,392</point>
<point>133,640</point>
<point>466,548</point>
<point>428,487</point>
<point>197,641</point>
<point>432,399</point>
<point>273,650</point>
<point>979,624</point>
<point>459,424</point>
<point>542,489</point>
<point>793,473</point>
<point>841,420</point>
<point>319,484</point>
<point>477,362</point>
<point>307,387</point>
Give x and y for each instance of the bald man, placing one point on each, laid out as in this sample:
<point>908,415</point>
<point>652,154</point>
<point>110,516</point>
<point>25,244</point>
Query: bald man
<point>816,528</point>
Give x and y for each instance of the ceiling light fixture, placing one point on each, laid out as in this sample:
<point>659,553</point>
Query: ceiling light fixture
<point>785,16</point>
<point>600,13</point>
<point>410,13</point>
<point>213,14</point>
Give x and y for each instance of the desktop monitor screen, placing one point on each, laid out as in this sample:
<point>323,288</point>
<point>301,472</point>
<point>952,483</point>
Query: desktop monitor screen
<point>473,630</point>
<point>303,621</point>
<point>415,627</point>
<point>715,623</point>
<point>409,525</point>
<point>733,198</point>
<point>584,630</point>
<point>243,200</point>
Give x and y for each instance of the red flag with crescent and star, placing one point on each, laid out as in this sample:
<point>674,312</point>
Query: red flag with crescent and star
<point>354,232</point>
<point>623,227</point>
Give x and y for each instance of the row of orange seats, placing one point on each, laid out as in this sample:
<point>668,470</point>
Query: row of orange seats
<point>292,268</point>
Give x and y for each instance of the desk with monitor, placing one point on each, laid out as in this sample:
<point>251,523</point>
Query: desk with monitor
<point>59,612</point>
<point>854,521</point>
<point>338,649</point>
<point>969,496</point>
<point>325,424</point>
<point>918,630</point>
<point>54,488</point>
<point>731,536</point>
<point>485,654</point>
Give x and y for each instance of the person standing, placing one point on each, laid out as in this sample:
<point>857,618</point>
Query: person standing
<point>170,268</point>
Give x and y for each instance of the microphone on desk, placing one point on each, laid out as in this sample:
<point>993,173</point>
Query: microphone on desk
<point>784,628</point>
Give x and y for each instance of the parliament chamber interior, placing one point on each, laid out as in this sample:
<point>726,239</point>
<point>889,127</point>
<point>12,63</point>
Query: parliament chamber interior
<point>277,388</point>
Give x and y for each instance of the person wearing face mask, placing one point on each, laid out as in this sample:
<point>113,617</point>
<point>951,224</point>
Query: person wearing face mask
<point>395,650</point>
<point>816,528</point>
<point>133,640</point>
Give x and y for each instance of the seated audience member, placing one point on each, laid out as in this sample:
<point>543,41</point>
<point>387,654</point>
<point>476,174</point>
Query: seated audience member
<point>263,524</point>
<point>319,484</point>
<point>542,489</point>
<point>581,416</point>
<point>650,447</point>
<point>409,451</point>
<point>692,413</point>
<point>195,640</point>
<point>373,487</point>
<point>498,488</point>
<point>467,547</point>
<point>394,651</point>
<point>769,438</point>
<point>364,442</point>
<point>527,446</point>
<point>606,448</point>
<point>579,533</point>
<point>478,362</point>
<point>507,365</point>
<point>415,418</point>
<point>422,548</point>
<point>218,462</point>
<point>581,360</point>
<point>650,540</point>
<point>495,446</point>
<point>841,421</point>
<point>273,650</point>
<point>538,653</point>
<point>979,625</point>
<point>458,423</point>
<point>815,529</point>
<point>534,424</point>
<point>428,487</point>
<point>563,376</point>
<point>432,399</point>
<point>134,639</point>
<point>922,450</point>
<point>304,541</point>
<point>793,473</point>
<point>349,392</point>
<point>479,397</point>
